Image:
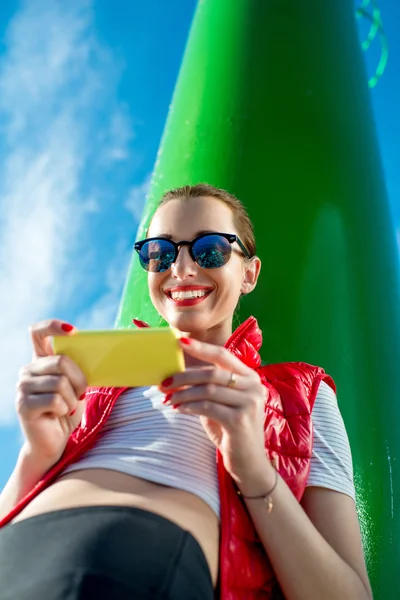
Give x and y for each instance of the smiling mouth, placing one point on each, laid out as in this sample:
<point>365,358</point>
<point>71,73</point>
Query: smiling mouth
<point>188,298</point>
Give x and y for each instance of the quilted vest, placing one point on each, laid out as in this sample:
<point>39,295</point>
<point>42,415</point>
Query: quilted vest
<point>245,571</point>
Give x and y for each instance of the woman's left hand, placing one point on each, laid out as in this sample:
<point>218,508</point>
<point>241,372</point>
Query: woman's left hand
<point>229,398</point>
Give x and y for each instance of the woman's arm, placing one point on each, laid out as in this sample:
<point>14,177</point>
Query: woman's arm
<point>315,548</point>
<point>27,472</point>
<point>49,409</point>
<point>324,552</point>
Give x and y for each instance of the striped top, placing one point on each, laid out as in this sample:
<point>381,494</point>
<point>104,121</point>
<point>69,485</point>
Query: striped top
<point>331,462</point>
<point>146,439</point>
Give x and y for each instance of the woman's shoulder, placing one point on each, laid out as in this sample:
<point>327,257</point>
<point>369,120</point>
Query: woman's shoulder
<point>293,369</point>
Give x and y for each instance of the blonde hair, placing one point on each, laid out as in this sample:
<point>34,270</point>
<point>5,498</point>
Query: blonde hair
<point>241,218</point>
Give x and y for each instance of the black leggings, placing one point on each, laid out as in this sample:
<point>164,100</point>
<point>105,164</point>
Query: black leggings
<point>101,553</point>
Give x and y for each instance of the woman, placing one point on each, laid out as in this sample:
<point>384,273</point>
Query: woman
<point>144,510</point>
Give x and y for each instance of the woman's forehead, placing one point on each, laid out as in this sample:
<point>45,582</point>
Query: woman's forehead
<point>185,217</point>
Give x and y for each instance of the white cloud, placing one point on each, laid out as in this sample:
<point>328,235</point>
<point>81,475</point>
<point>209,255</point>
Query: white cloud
<point>91,206</point>
<point>137,197</point>
<point>120,135</point>
<point>57,97</point>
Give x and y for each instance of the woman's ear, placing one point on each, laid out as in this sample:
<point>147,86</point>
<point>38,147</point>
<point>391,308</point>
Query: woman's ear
<point>251,272</point>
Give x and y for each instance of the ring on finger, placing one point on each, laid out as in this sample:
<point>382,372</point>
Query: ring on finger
<point>232,381</point>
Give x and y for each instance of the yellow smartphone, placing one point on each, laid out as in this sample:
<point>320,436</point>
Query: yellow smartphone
<point>124,357</point>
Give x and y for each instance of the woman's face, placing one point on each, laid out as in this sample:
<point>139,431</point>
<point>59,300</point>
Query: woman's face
<point>209,318</point>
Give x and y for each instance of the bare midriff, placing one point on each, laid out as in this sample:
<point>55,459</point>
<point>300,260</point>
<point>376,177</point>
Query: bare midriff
<point>103,487</point>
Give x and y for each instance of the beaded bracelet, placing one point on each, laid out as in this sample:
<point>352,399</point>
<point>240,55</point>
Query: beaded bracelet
<point>266,497</point>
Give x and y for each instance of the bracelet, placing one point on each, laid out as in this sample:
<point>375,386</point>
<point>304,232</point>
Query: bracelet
<point>266,497</point>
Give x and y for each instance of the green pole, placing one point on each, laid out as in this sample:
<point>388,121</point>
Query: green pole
<point>272,103</point>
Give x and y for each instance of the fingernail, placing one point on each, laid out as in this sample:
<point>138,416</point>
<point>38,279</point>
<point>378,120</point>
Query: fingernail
<point>71,414</point>
<point>67,327</point>
<point>186,341</point>
<point>167,382</point>
<point>175,406</point>
<point>82,397</point>
<point>140,323</point>
<point>167,398</point>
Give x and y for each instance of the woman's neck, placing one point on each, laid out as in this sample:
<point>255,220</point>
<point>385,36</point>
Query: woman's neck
<point>217,336</point>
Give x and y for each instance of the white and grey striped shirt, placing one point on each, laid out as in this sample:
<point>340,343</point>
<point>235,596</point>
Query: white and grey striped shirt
<point>146,439</point>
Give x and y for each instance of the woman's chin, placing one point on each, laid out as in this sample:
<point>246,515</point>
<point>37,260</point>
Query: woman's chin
<point>189,323</point>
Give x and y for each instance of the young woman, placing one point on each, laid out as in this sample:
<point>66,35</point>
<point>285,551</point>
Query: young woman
<point>228,480</point>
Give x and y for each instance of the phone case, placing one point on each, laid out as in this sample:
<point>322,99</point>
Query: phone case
<point>124,357</point>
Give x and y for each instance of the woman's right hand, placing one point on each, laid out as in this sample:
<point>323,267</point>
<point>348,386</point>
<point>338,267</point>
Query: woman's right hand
<point>50,392</point>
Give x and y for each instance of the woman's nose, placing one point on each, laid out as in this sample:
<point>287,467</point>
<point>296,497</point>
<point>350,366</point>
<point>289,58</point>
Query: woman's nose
<point>184,266</point>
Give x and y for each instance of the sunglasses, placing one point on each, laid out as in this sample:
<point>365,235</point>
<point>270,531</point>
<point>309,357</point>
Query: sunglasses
<point>209,251</point>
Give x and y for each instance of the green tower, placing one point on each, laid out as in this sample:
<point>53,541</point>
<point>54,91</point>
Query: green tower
<point>272,103</point>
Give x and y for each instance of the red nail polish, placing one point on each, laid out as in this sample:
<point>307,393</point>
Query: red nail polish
<point>186,341</point>
<point>67,327</point>
<point>175,406</point>
<point>167,398</point>
<point>82,397</point>
<point>167,382</point>
<point>71,414</point>
<point>140,323</point>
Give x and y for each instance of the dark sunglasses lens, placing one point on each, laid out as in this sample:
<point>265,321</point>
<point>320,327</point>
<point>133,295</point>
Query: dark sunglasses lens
<point>211,251</point>
<point>157,256</point>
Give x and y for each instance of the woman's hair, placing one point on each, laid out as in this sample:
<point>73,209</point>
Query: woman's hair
<point>242,221</point>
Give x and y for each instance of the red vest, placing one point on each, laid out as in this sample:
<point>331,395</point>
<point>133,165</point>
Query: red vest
<point>245,571</point>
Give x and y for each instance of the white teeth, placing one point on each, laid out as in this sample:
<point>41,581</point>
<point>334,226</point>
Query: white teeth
<point>188,294</point>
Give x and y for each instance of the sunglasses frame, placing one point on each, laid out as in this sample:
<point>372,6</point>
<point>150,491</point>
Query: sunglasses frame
<point>231,237</point>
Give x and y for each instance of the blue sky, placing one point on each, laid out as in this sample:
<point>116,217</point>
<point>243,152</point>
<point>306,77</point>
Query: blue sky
<point>84,93</point>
